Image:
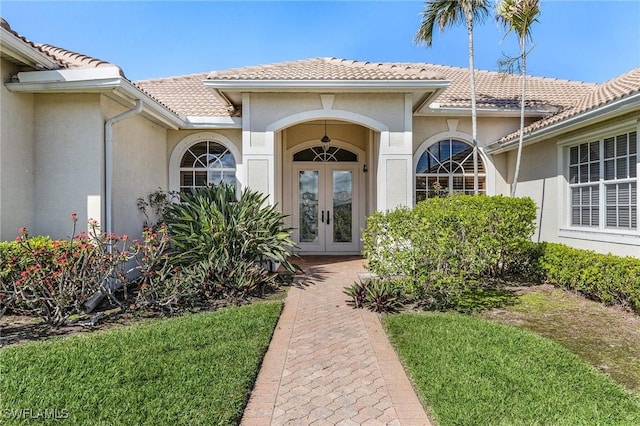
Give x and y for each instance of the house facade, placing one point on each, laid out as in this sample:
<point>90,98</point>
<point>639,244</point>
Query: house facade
<point>329,140</point>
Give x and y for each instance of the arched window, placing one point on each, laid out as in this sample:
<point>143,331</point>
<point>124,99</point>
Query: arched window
<point>206,163</point>
<point>324,154</point>
<point>446,167</point>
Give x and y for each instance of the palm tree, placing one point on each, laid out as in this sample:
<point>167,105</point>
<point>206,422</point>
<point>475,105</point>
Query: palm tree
<point>446,13</point>
<point>518,16</point>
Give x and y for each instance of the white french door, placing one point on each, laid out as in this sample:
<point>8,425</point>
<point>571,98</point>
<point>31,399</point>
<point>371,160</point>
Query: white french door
<point>325,209</point>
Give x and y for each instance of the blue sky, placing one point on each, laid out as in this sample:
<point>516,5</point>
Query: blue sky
<point>579,40</point>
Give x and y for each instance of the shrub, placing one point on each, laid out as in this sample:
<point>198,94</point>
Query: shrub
<point>376,294</point>
<point>603,277</point>
<point>162,287</point>
<point>154,206</point>
<point>53,279</point>
<point>224,242</point>
<point>443,246</point>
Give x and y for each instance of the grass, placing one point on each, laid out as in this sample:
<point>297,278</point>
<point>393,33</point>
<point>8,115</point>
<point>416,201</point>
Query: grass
<point>196,369</point>
<point>471,371</point>
<point>606,337</point>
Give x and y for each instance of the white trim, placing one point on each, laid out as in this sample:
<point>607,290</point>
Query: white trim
<point>435,109</point>
<point>23,51</point>
<point>322,114</point>
<point>587,136</point>
<point>489,169</point>
<point>591,117</point>
<point>602,233</point>
<point>181,148</point>
<point>67,75</point>
<point>202,122</point>
<point>365,85</point>
<point>106,80</point>
<point>605,236</point>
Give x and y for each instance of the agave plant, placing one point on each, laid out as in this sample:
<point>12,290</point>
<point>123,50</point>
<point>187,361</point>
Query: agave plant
<point>227,240</point>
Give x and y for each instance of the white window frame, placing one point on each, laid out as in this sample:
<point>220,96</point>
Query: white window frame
<point>601,233</point>
<point>462,137</point>
<point>183,146</point>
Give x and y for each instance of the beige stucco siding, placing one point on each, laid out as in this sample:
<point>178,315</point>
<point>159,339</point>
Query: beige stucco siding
<point>68,153</point>
<point>337,130</point>
<point>17,158</point>
<point>268,108</point>
<point>139,165</point>
<point>541,179</point>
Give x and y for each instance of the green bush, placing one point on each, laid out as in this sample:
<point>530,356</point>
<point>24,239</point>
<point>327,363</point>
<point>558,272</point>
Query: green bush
<point>443,246</point>
<point>603,277</point>
<point>224,243</point>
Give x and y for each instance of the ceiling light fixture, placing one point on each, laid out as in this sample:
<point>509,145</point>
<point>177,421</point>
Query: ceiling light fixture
<point>325,139</point>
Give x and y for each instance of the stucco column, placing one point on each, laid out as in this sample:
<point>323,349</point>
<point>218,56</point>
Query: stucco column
<point>395,164</point>
<point>258,154</point>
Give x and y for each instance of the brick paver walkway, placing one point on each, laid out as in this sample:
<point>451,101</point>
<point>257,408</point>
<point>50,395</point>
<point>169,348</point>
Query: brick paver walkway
<point>330,364</point>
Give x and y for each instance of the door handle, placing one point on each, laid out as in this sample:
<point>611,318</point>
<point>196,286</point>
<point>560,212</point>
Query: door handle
<point>322,220</point>
<point>328,220</point>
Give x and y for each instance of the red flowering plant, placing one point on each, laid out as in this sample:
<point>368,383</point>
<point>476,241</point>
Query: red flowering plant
<point>54,279</point>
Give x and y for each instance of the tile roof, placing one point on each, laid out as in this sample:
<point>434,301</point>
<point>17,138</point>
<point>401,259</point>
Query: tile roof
<point>327,69</point>
<point>187,95</point>
<point>502,91</point>
<point>620,87</point>
<point>494,89</point>
<point>69,59</point>
<point>64,58</point>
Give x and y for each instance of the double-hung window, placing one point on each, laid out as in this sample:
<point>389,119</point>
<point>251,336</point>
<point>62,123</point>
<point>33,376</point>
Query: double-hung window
<point>603,183</point>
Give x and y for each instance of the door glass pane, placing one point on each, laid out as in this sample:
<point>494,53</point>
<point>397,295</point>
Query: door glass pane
<point>342,206</point>
<point>308,205</point>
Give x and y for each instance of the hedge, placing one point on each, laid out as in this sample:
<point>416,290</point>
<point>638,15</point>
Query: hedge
<point>610,279</point>
<point>469,236</point>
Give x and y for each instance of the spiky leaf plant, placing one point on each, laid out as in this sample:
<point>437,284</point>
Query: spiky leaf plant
<point>226,241</point>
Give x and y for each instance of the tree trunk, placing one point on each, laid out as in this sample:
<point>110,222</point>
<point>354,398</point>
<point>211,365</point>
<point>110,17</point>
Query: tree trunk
<point>523,78</point>
<point>474,126</point>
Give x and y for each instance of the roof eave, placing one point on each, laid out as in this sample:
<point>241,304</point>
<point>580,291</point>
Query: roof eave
<point>321,85</point>
<point>212,122</point>
<point>602,113</point>
<point>435,109</point>
<point>20,50</point>
<point>106,80</point>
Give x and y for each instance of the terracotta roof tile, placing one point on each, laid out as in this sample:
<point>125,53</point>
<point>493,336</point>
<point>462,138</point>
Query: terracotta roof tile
<point>187,95</point>
<point>69,59</point>
<point>64,58</point>
<point>494,90</point>
<point>327,69</point>
<point>502,91</point>
<point>617,88</point>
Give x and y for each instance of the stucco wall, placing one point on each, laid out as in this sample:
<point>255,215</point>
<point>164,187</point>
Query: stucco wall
<point>270,118</point>
<point>68,154</point>
<point>541,180</point>
<point>17,158</point>
<point>267,108</point>
<point>139,165</point>
<point>338,130</point>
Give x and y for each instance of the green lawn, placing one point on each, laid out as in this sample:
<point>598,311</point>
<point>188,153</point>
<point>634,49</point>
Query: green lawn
<point>470,371</point>
<point>196,369</point>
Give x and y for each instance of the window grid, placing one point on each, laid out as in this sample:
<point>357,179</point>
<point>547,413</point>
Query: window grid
<point>447,168</point>
<point>206,163</point>
<point>602,183</point>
